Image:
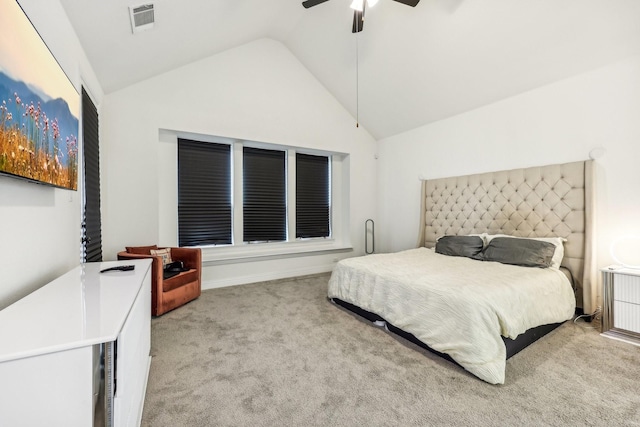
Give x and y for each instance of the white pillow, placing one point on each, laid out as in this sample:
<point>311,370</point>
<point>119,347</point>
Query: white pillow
<point>558,254</point>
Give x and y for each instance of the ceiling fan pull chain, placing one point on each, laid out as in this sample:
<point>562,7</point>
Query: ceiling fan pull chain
<point>357,84</point>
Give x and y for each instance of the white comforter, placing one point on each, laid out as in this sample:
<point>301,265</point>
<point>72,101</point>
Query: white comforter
<point>456,305</point>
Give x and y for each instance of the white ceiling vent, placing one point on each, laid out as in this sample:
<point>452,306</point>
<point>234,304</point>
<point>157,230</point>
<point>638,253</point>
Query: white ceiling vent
<point>142,18</point>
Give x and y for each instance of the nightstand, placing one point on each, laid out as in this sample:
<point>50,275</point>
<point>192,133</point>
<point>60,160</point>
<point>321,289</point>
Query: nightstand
<point>621,304</point>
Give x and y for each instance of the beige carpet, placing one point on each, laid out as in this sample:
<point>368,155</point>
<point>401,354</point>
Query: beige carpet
<point>279,354</point>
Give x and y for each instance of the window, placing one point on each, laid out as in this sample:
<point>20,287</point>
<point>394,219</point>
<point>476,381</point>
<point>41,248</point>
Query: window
<point>312,196</point>
<point>204,193</point>
<point>236,192</point>
<point>92,222</point>
<point>264,195</point>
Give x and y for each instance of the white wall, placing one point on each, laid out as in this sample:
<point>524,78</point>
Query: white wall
<point>259,92</point>
<point>39,225</point>
<point>558,123</point>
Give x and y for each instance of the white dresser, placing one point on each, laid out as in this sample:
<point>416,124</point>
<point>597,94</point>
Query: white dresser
<point>76,351</point>
<point>621,304</point>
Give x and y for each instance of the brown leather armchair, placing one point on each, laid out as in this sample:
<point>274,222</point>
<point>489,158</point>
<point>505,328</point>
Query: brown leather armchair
<point>167,294</point>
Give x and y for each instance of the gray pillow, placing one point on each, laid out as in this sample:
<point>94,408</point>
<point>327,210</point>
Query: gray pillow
<point>524,252</point>
<point>467,246</point>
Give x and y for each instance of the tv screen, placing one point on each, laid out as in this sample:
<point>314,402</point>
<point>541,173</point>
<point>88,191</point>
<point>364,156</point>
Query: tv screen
<point>39,107</point>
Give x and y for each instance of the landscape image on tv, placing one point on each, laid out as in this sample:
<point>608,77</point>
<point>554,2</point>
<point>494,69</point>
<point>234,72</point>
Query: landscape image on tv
<point>39,107</point>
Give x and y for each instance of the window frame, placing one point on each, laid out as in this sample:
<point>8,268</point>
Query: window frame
<point>266,176</point>
<point>217,183</point>
<point>317,222</point>
<point>339,240</point>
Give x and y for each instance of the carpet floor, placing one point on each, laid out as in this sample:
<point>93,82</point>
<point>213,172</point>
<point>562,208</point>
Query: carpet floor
<point>279,353</point>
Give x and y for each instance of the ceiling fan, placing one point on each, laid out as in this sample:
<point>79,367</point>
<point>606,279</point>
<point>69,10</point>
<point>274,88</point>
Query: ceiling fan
<point>358,7</point>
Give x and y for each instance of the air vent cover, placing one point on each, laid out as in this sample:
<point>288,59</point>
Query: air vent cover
<point>142,17</point>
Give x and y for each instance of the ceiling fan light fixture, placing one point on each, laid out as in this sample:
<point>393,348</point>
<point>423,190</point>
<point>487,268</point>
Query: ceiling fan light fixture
<point>357,5</point>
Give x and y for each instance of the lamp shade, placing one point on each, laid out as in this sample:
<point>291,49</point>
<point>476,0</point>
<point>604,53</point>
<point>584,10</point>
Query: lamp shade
<point>626,251</point>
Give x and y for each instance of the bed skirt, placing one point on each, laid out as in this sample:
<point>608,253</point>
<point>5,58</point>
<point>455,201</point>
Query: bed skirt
<point>513,346</point>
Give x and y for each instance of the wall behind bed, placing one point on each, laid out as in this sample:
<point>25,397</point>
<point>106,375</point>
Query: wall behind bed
<point>556,123</point>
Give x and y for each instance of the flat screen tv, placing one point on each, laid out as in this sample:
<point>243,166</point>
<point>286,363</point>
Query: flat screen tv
<point>39,107</point>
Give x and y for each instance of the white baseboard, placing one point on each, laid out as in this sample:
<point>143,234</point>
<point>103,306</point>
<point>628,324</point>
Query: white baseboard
<point>263,277</point>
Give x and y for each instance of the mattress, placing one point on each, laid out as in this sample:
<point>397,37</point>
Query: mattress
<point>457,306</point>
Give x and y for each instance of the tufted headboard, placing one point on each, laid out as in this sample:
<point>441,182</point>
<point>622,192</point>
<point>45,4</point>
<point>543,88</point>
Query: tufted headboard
<point>554,200</point>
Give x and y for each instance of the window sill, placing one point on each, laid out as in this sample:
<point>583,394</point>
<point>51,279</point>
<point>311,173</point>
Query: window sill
<point>212,255</point>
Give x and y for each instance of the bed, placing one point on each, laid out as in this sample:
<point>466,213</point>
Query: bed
<point>502,259</point>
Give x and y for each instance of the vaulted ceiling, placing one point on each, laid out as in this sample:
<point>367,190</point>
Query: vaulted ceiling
<point>414,65</point>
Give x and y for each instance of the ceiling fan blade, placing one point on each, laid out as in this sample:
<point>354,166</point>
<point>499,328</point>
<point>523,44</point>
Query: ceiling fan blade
<point>411,3</point>
<point>310,3</point>
<point>358,20</point>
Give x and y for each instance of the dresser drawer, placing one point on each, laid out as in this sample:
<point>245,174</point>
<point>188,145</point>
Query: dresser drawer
<point>626,288</point>
<point>627,316</point>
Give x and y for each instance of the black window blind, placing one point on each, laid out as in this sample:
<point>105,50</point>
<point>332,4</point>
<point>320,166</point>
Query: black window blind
<point>312,196</point>
<point>91,223</point>
<point>204,193</point>
<point>264,195</point>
